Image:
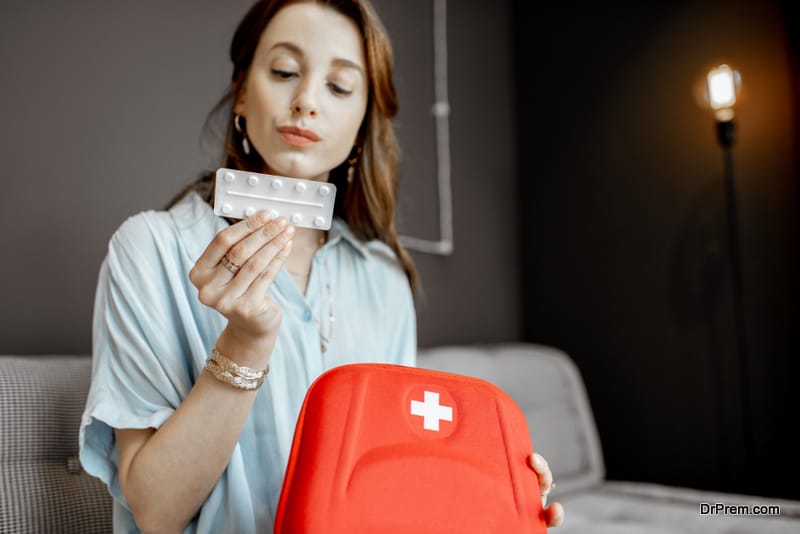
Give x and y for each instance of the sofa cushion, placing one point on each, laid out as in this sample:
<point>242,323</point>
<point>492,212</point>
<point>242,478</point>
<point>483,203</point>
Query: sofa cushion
<point>42,485</point>
<point>546,384</point>
<point>641,508</point>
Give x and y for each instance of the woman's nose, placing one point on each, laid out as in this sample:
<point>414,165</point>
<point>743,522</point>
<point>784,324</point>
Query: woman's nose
<point>305,102</point>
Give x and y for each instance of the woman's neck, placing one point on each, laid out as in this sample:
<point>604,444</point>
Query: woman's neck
<point>305,243</point>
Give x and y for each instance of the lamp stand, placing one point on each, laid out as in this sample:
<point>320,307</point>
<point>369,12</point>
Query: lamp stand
<point>726,135</point>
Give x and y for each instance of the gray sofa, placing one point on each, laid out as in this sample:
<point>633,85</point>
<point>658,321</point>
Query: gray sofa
<point>43,488</point>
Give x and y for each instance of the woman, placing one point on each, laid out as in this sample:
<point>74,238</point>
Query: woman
<point>180,445</point>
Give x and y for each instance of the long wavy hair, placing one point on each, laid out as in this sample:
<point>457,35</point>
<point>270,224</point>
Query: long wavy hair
<point>368,202</point>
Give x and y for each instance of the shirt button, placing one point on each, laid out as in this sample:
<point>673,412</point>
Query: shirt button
<point>307,316</point>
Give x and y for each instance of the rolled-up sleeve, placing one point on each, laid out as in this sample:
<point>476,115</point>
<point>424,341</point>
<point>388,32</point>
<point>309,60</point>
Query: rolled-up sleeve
<point>134,327</point>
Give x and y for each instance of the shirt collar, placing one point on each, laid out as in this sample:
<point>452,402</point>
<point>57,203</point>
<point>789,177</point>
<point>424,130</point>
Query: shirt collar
<point>341,231</point>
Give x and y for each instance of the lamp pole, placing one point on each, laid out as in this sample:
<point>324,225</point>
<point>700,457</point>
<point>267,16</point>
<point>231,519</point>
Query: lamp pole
<point>723,83</point>
<point>726,135</point>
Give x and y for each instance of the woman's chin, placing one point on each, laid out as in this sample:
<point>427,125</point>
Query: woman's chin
<point>299,170</point>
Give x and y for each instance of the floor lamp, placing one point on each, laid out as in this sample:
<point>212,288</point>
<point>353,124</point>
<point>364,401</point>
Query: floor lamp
<point>722,86</point>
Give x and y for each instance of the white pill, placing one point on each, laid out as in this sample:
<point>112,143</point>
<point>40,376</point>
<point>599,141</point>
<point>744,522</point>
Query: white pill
<point>277,184</point>
<point>252,180</point>
<point>227,208</point>
<point>324,190</point>
<point>319,221</point>
<point>249,211</point>
<point>301,187</point>
<point>297,218</point>
<point>229,177</point>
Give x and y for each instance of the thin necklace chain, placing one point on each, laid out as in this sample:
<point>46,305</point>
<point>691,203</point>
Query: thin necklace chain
<point>324,340</point>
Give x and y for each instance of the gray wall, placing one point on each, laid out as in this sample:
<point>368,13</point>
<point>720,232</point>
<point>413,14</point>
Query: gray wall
<point>103,106</point>
<point>472,296</point>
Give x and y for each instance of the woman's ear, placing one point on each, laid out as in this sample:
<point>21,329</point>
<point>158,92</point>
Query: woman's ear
<point>238,105</point>
<point>240,92</point>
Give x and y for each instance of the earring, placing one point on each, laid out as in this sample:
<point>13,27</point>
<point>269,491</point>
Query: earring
<point>245,143</point>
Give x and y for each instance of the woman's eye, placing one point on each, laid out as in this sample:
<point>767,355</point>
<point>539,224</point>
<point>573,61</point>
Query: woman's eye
<point>284,74</point>
<point>339,90</point>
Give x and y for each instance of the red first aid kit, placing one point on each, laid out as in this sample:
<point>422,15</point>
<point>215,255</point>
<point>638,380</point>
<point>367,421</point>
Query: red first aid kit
<point>389,449</point>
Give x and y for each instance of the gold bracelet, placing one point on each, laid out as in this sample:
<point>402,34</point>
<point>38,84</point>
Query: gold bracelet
<point>230,372</point>
<point>229,378</point>
<point>236,369</point>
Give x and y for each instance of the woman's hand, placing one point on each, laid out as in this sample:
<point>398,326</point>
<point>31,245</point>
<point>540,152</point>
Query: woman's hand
<point>233,275</point>
<point>554,514</point>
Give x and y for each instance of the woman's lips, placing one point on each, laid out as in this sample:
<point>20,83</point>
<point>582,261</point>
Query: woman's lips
<point>298,137</point>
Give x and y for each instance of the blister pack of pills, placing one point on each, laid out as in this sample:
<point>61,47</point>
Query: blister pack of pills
<point>305,203</point>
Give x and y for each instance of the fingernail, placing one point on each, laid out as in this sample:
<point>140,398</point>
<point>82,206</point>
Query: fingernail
<point>290,230</point>
<point>282,222</point>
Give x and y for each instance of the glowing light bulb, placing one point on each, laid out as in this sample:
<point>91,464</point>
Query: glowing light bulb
<point>722,84</point>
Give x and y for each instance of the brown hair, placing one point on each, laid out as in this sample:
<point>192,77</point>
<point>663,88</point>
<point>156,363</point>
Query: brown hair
<point>368,203</point>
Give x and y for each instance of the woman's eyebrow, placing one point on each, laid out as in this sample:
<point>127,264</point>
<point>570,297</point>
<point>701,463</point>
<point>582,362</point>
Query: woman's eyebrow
<point>339,61</point>
<point>290,46</point>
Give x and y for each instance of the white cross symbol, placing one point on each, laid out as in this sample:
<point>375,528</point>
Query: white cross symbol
<point>431,411</point>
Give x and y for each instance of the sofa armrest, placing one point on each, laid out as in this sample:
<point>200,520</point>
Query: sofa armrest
<point>42,485</point>
<point>546,384</point>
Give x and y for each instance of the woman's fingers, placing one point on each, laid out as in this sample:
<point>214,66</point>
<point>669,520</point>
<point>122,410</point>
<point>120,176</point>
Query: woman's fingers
<point>259,263</point>
<point>554,515</point>
<point>220,285</point>
<point>539,464</point>
<point>243,251</point>
<point>226,239</point>
<point>259,289</point>
<point>253,311</point>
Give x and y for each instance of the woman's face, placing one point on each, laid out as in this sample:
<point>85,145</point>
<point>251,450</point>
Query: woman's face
<point>306,92</point>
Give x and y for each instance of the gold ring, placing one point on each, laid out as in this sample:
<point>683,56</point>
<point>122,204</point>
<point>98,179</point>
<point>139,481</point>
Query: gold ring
<point>228,264</point>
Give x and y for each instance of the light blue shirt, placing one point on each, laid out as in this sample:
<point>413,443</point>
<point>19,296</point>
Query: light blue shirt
<point>151,337</point>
